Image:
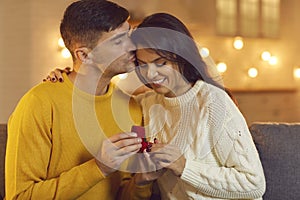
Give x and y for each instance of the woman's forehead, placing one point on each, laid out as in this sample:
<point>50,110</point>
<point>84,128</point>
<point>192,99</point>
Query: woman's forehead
<point>146,52</point>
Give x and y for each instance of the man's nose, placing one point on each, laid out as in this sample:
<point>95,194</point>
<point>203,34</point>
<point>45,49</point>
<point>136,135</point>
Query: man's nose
<point>151,72</point>
<point>130,46</point>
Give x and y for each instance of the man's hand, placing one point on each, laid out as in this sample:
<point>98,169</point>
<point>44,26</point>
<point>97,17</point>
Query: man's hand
<point>115,150</point>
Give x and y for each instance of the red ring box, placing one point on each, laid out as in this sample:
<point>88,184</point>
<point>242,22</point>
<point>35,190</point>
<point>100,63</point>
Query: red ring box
<point>140,131</point>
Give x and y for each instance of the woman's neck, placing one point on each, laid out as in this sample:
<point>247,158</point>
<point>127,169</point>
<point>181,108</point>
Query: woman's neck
<point>180,90</point>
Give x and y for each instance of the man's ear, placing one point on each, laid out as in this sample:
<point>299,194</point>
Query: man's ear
<point>82,54</point>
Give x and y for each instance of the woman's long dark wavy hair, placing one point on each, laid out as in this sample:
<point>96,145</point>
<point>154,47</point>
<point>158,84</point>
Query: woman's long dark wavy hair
<point>169,37</point>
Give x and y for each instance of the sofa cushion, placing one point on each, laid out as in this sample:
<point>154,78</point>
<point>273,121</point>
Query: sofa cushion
<point>3,137</point>
<point>279,147</point>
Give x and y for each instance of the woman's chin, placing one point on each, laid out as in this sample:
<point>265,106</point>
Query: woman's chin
<point>160,90</point>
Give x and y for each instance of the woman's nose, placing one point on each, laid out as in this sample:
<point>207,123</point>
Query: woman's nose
<point>152,72</point>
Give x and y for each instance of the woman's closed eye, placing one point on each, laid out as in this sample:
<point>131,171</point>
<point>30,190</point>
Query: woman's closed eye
<point>157,64</point>
<point>141,64</point>
<point>161,64</point>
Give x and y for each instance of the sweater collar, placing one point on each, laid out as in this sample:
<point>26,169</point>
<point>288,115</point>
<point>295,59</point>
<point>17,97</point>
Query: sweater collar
<point>86,95</point>
<point>184,98</point>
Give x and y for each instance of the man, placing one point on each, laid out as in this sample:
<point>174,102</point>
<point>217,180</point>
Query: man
<point>67,141</point>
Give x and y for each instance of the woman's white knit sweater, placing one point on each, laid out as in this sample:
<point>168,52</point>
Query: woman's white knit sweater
<point>221,159</point>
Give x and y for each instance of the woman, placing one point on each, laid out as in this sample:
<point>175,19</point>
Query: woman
<point>205,148</point>
<point>204,140</point>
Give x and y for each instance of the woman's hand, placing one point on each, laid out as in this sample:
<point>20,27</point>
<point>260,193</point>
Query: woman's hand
<point>168,156</point>
<point>148,170</point>
<point>56,75</point>
<point>155,163</point>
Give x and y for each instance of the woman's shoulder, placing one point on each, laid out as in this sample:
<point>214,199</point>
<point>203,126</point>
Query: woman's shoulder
<point>214,93</point>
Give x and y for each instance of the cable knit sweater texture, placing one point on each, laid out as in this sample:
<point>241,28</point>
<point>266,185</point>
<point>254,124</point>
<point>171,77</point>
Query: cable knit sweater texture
<point>221,159</point>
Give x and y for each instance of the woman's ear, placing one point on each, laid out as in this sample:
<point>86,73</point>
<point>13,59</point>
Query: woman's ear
<point>82,54</point>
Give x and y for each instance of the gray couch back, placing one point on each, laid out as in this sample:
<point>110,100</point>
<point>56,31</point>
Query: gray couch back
<point>3,138</point>
<point>278,145</point>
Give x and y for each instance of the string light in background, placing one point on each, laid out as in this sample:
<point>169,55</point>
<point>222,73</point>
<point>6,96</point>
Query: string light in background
<point>252,72</point>
<point>65,53</point>
<point>297,72</point>
<point>273,60</point>
<point>204,52</point>
<point>267,56</point>
<point>238,43</point>
<point>221,67</point>
<point>61,43</point>
<point>62,48</point>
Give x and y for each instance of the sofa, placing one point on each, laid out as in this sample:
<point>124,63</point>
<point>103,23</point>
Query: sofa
<point>278,145</point>
<point>3,138</point>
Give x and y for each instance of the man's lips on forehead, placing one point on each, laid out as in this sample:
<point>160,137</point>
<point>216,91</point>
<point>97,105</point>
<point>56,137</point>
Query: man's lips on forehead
<point>131,57</point>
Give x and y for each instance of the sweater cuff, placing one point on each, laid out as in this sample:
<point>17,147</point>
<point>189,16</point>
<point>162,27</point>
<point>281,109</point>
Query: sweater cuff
<point>91,173</point>
<point>191,172</point>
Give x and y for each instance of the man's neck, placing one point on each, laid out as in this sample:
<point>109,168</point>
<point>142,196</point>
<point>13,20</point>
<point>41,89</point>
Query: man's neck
<point>91,81</point>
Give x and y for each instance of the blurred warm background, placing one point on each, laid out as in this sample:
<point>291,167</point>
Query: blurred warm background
<point>253,43</point>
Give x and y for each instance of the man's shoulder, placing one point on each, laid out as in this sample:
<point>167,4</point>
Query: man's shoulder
<point>46,89</point>
<point>119,97</point>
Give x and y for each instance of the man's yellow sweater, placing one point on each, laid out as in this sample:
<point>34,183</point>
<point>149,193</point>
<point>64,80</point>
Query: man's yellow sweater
<point>54,134</point>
